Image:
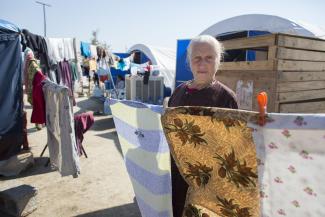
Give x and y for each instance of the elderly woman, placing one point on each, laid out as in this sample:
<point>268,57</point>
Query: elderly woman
<point>203,54</point>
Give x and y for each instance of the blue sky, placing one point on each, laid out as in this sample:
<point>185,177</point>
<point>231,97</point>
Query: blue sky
<point>122,24</point>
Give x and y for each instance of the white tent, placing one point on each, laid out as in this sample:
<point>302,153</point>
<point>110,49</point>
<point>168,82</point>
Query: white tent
<point>165,58</point>
<point>263,22</point>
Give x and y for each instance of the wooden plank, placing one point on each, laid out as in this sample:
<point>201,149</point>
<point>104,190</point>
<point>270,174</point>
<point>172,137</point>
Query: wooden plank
<point>248,65</point>
<point>290,65</point>
<point>272,52</point>
<point>252,42</point>
<point>300,85</point>
<point>301,76</point>
<point>266,84</point>
<point>294,54</point>
<point>301,95</point>
<point>256,75</point>
<point>301,43</point>
<point>303,106</point>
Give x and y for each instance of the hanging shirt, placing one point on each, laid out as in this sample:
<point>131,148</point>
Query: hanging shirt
<point>38,44</point>
<point>55,49</point>
<point>66,78</point>
<point>93,51</point>
<point>85,49</point>
<point>60,49</point>
<point>68,49</point>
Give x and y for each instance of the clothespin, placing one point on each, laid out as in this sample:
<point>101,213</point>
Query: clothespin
<point>262,104</point>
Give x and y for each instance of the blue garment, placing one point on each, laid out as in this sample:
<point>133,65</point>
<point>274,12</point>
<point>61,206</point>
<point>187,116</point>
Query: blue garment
<point>11,91</point>
<point>85,49</point>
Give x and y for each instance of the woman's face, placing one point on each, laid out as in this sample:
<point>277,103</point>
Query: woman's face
<point>203,62</point>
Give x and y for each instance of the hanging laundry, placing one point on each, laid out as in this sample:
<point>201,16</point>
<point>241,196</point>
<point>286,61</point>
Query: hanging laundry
<point>291,156</point>
<point>60,49</point>
<point>74,70</point>
<point>38,113</point>
<point>146,155</point>
<point>11,91</point>
<point>78,60</point>
<point>93,51</point>
<point>60,129</point>
<point>55,49</point>
<point>85,49</point>
<point>92,65</point>
<point>38,45</point>
<point>69,53</point>
<point>124,64</point>
<point>66,78</point>
<point>82,123</point>
<point>228,159</point>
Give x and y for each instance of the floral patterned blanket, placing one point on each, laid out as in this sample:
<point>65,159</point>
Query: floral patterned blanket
<point>236,168</point>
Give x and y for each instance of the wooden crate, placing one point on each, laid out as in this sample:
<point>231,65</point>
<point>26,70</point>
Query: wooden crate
<point>292,73</point>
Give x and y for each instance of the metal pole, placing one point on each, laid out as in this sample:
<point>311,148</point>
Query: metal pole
<point>44,14</point>
<point>44,20</point>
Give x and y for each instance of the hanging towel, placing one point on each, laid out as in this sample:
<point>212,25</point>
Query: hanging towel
<point>146,155</point>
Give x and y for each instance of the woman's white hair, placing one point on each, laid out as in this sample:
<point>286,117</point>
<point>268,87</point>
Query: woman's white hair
<point>218,48</point>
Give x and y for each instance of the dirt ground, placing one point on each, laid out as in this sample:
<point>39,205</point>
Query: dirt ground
<point>103,187</point>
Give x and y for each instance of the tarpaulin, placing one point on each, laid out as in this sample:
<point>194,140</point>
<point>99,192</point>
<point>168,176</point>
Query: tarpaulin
<point>11,92</point>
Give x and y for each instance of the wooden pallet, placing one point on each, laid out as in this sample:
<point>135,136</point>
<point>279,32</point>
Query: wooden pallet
<point>292,72</point>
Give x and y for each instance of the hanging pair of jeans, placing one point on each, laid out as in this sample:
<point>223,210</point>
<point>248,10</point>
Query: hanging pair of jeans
<point>60,129</point>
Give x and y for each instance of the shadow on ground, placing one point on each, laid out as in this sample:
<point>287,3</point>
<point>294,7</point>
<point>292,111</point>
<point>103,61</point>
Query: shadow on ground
<point>90,104</point>
<point>113,136</point>
<point>126,210</point>
<point>103,124</point>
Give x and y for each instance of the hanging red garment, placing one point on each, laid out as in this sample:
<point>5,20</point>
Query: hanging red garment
<point>38,114</point>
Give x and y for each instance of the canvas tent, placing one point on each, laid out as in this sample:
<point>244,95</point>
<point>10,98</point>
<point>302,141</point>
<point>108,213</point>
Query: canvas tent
<point>11,92</point>
<point>165,58</point>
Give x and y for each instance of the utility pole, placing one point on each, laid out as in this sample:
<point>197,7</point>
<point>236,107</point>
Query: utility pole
<point>44,4</point>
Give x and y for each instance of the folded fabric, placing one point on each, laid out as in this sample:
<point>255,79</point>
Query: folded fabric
<point>214,150</point>
<point>82,123</point>
<point>146,155</point>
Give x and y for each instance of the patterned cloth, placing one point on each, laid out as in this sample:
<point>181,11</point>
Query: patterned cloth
<point>146,155</point>
<point>215,153</point>
<point>291,158</point>
<point>214,149</point>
